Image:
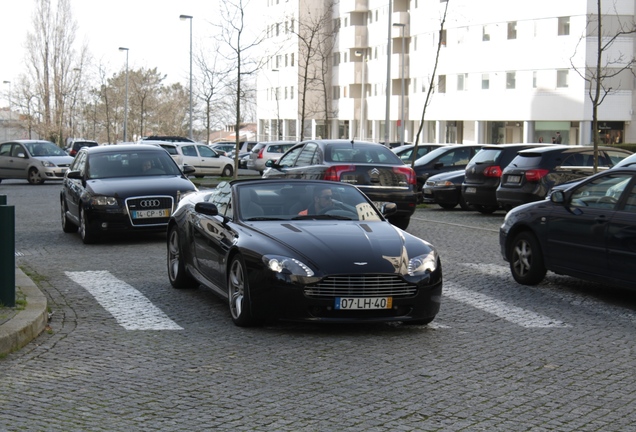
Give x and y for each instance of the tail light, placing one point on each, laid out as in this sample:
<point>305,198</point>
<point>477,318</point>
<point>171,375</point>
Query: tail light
<point>333,172</point>
<point>536,174</point>
<point>73,152</point>
<point>408,173</point>
<point>492,171</point>
<point>260,153</point>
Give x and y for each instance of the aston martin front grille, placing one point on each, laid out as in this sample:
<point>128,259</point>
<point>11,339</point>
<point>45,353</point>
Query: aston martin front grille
<point>366,285</point>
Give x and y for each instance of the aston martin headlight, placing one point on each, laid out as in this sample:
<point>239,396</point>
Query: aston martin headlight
<point>282,264</point>
<point>423,264</point>
<point>103,201</point>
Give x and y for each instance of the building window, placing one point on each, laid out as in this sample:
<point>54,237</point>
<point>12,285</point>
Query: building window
<point>511,80</point>
<point>291,92</point>
<point>562,78</point>
<point>485,34</point>
<point>441,84</point>
<point>336,92</point>
<point>292,59</point>
<point>278,61</point>
<point>336,59</point>
<point>564,26</point>
<point>286,60</point>
<point>277,29</point>
<point>485,81</point>
<point>512,30</point>
<point>461,82</point>
<point>443,36</point>
<point>534,79</point>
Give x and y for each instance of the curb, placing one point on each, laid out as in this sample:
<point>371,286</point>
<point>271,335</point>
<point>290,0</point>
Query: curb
<point>28,323</point>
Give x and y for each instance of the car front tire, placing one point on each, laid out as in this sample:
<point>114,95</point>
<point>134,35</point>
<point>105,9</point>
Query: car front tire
<point>238,294</point>
<point>526,259</point>
<point>87,233</point>
<point>67,225</point>
<point>34,177</point>
<point>177,273</point>
<point>227,171</point>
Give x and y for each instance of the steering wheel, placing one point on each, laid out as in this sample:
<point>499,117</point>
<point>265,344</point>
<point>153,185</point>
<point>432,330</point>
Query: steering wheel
<point>607,199</point>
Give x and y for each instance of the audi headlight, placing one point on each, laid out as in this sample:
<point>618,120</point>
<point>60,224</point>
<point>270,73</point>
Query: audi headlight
<point>283,264</point>
<point>48,164</point>
<point>104,201</point>
<point>423,264</point>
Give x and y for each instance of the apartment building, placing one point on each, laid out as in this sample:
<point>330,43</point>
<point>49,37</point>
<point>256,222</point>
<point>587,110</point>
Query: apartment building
<point>506,71</point>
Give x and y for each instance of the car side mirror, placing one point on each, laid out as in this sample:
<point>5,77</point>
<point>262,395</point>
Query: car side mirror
<point>206,208</point>
<point>188,169</point>
<point>270,163</point>
<point>389,209</point>
<point>557,197</point>
<point>75,174</point>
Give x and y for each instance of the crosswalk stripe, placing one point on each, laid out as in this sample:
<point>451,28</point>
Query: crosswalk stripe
<point>513,314</point>
<point>128,306</point>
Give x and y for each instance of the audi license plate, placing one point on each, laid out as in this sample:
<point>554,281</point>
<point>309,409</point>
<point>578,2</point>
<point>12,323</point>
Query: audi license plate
<point>514,179</point>
<point>351,303</point>
<point>147,214</point>
<point>471,190</point>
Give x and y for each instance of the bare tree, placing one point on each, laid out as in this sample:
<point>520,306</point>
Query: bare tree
<point>431,84</point>
<point>612,65</point>
<point>233,35</point>
<point>51,60</point>
<point>315,35</point>
<point>210,84</point>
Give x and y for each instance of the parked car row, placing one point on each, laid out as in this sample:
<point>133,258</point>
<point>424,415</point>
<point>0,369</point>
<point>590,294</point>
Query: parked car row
<point>507,175</point>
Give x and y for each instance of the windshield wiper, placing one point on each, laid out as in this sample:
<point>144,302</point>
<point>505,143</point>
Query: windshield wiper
<point>262,218</point>
<point>321,217</point>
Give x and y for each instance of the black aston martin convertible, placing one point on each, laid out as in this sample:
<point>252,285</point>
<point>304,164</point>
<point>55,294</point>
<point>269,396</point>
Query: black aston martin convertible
<point>302,250</point>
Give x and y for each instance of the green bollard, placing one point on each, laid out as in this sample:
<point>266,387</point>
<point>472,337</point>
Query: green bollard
<point>7,254</point>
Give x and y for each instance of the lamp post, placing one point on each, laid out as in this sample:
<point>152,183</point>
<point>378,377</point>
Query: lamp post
<point>126,101</point>
<point>362,53</point>
<point>402,92</point>
<point>387,117</point>
<point>279,135</point>
<point>189,17</point>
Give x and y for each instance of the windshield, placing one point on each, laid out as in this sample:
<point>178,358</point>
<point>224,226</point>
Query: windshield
<point>131,164</point>
<point>44,148</point>
<point>268,201</point>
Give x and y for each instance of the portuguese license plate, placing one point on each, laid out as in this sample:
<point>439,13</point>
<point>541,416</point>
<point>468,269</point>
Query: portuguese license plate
<point>356,303</point>
<point>471,190</point>
<point>147,214</point>
<point>514,179</point>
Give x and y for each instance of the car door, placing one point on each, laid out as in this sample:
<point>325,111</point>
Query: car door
<point>210,162</point>
<point>16,162</point>
<point>213,237</point>
<point>5,160</point>
<point>74,188</point>
<point>577,232</point>
<point>621,237</point>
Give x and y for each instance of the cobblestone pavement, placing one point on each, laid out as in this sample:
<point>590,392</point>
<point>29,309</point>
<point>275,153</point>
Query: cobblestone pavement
<point>499,357</point>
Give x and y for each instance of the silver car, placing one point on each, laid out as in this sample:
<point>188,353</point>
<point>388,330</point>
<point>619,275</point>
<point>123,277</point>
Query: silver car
<point>263,151</point>
<point>33,160</point>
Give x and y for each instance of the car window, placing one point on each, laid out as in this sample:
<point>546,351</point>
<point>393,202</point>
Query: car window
<point>223,199</point>
<point>79,163</point>
<point>44,149</point>
<point>206,151</point>
<point>290,157</point>
<point>19,151</point>
<point>189,150</point>
<point>5,149</point>
<point>615,157</point>
<point>630,204</point>
<point>486,156</point>
<point>579,159</point>
<point>307,156</point>
<point>604,192</point>
<point>170,149</point>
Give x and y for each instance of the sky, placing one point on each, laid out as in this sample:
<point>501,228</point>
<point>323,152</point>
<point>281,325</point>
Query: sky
<point>150,29</point>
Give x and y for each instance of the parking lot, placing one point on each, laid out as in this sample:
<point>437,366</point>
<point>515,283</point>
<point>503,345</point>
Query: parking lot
<point>499,356</point>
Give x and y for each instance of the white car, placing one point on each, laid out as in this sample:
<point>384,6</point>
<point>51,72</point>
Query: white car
<point>33,160</point>
<point>205,160</point>
<point>263,151</point>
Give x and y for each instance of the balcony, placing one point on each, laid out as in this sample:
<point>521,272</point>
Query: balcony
<point>347,6</point>
<point>355,36</point>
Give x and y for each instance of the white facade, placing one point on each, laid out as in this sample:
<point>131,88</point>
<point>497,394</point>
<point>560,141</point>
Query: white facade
<point>507,71</point>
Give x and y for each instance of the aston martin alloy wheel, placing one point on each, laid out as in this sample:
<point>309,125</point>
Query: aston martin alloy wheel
<point>177,273</point>
<point>238,294</point>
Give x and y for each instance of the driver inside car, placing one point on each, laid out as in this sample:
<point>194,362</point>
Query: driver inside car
<point>323,201</point>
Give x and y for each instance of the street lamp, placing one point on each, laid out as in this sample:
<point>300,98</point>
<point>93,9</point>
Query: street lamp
<point>387,116</point>
<point>401,123</point>
<point>126,101</point>
<point>189,17</point>
<point>279,135</point>
<point>361,53</point>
